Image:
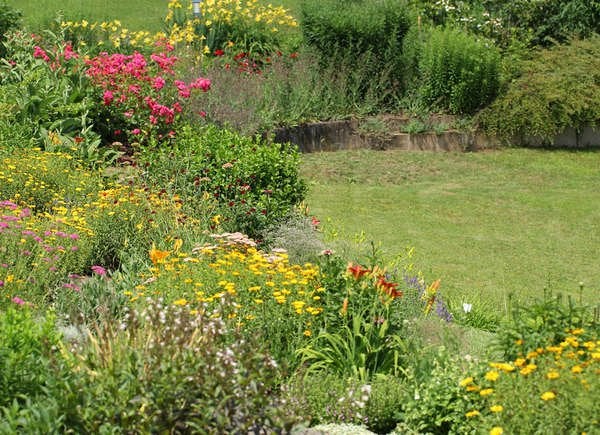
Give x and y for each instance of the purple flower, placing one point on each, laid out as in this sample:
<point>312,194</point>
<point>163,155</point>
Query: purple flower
<point>99,270</point>
<point>442,310</point>
<point>1,283</point>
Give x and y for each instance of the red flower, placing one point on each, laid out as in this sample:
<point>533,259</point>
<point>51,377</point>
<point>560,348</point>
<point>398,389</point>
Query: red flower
<point>219,52</point>
<point>357,271</point>
<point>389,288</point>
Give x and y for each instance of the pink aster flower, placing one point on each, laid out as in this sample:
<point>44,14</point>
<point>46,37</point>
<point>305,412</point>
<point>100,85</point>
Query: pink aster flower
<point>99,270</point>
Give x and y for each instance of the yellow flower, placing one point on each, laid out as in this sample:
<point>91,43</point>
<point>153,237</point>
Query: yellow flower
<point>496,431</point>
<point>530,368</point>
<point>181,302</point>
<point>576,369</point>
<point>548,395</point>
<point>307,333</point>
<point>496,408</point>
<point>505,367</point>
<point>492,375</point>
<point>486,392</point>
<point>553,375</point>
<point>466,381</point>
<point>471,414</point>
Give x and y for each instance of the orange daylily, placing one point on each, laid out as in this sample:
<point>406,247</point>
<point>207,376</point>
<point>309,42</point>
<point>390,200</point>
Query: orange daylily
<point>357,271</point>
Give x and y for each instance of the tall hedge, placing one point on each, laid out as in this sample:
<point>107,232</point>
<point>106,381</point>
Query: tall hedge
<point>369,33</point>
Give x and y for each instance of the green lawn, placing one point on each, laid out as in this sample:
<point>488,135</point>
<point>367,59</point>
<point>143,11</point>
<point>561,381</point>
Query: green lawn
<point>134,14</point>
<point>488,224</point>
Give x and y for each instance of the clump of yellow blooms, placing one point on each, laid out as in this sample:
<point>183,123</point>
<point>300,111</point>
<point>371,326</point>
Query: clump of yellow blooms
<point>252,281</point>
<point>217,15</point>
<point>111,34</point>
<point>572,363</point>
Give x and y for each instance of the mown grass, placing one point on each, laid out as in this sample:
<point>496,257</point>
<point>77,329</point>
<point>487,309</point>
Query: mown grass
<point>488,224</point>
<point>134,14</point>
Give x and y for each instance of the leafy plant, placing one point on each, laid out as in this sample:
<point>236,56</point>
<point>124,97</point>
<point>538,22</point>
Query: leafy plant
<point>254,183</point>
<point>46,89</point>
<point>10,19</point>
<point>460,73</point>
<point>168,368</point>
<point>557,89</point>
<point>369,34</point>
<point>28,346</point>
<point>545,322</point>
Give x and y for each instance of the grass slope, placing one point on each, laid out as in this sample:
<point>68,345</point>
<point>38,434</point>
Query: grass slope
<point>488,224</point>
<point>134,14</point>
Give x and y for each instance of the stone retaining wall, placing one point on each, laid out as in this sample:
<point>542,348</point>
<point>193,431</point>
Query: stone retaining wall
<point>345,135</point>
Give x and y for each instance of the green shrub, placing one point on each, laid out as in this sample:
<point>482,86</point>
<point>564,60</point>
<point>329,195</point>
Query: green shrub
<point>558,88</point>
<point>327,398</point>
<point>544,22</point>
<point>385,400</point>
<point>363,34</point>
<point>254,183</point>
<point>460,73</point>
<point>435,402</point>
<point>10,18</point>
<point>28,346</point>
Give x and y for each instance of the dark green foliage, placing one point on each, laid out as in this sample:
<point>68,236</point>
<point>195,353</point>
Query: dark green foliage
<point>27,348</point>
<point>460,73</point>
<point>254,183</point>
<point>544,22</point>
<point>368,34</point>
<point>10,18</point>
<point>558,88</point>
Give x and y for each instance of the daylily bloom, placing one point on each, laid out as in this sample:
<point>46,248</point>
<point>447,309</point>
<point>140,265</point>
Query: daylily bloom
<point>357,271</point>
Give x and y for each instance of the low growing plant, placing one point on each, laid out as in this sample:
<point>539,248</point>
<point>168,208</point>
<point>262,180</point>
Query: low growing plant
<point>166,368</point>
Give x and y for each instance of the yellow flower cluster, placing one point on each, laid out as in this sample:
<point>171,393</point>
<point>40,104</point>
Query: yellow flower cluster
<point>572,359</point>
<point>111,34</point>
<point>244,14</point>
<point>39,180</point>
<point>254,281</point>
<point>124,203</point>
<point>249,10</point>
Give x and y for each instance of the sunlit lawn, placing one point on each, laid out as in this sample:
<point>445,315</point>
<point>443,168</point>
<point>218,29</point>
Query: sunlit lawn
<point>488,224</point>
<point>134,14</point>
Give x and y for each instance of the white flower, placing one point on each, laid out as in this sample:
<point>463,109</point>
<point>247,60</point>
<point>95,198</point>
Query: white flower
<point>467,307</point>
